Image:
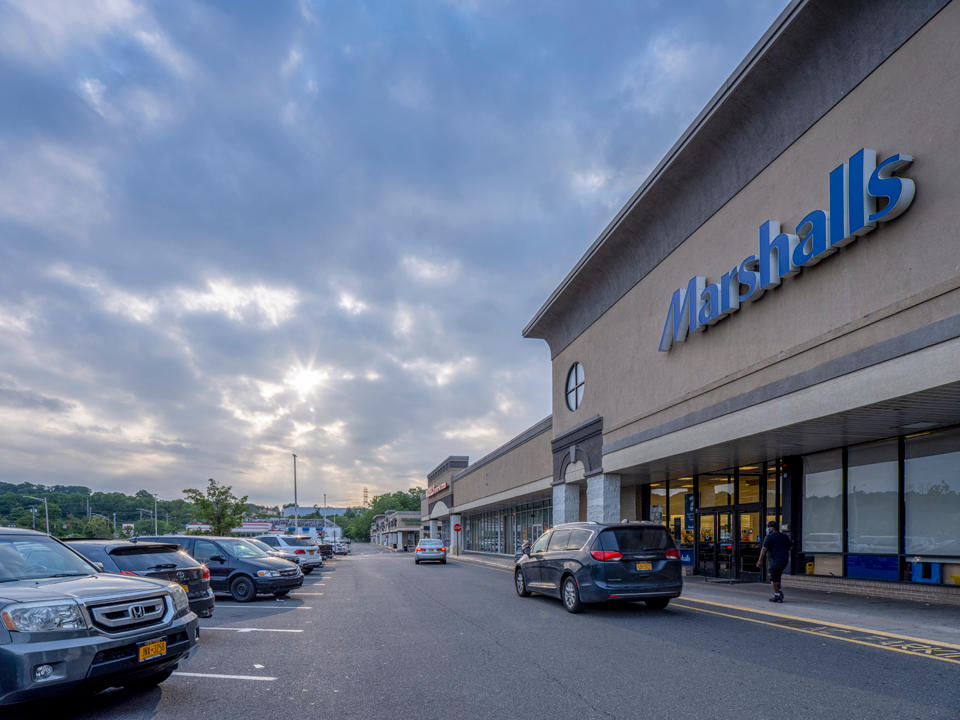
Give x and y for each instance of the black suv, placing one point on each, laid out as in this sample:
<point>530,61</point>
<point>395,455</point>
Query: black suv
<point>239,567</point>
<point>160,561</point>
<point>591,562</point>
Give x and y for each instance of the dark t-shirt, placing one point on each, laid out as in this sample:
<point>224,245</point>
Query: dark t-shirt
<point>778,548</point>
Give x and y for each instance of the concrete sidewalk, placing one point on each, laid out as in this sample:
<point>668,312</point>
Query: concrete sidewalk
<point>925,621</point>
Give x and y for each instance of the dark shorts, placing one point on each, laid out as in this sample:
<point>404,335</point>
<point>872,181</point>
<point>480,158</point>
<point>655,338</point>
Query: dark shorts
<point>776,572</point>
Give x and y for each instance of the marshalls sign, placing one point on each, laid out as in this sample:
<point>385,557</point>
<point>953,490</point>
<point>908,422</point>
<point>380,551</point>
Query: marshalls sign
<point>855,187</point>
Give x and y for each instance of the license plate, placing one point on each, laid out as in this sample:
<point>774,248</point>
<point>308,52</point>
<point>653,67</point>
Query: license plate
<point>151,650</point>
<point>312,552</point>
<point>644,566</point>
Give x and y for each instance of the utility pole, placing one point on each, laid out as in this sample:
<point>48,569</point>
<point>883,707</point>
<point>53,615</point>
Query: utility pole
<point>46,512</point>
<point>324,512</point>
<point>296,507</point>
<point>155,530</point>
<point>114,524</point>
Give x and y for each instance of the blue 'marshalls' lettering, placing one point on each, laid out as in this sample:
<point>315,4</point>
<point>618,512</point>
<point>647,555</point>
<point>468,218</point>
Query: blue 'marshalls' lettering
<point>854,188</point>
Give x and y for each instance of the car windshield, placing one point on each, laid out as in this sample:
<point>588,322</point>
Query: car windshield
<point>629,539</point>
<point>38,556</point>
<point>262,545</point>
<point>241,548</point>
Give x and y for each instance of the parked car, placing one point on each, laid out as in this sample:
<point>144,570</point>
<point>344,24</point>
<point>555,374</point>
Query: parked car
<point>430,551</point>
<point>597,562</point>
<point>160,561</point>
<point>237,567</point>
<point>341,549</point>
<point>66,626</point>
<point>325,550</point>
<point>300,545</point>
<point>273,552</point>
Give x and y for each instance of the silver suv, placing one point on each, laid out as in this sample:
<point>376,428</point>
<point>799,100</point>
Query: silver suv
<point>300,545</point>
<point>64,624</point>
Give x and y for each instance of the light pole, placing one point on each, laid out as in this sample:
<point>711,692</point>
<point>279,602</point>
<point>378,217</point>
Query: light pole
<point>46,510</point>
<point>296,507</point>
<point>155,530</point>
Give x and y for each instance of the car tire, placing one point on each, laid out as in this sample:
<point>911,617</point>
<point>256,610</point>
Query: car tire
<point>307,571</point>
<point>657,603</point>
<point>416,562</point>
<point>150,681</point>
<point>570,594</point>
<point>520,583</point>
<point>242,589</point>
<point>443,562</point>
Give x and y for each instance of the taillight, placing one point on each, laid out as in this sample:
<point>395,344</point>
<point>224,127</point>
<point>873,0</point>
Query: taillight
<point>606,555</point>
<point>672,554</point>
<point>443,549</point>
<point>299,552</point>
<point>127,572</point>
<point>206,573</point>
<point>419,549</point>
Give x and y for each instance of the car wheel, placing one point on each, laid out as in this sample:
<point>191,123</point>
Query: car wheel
<point>571,595</point>
<point>242,589</point>
<point>307,571</point>
<point>416,562</point>
<point>150,681</point>
<point>657,603</point>
<point>443,562</point>
<point>520,583</point>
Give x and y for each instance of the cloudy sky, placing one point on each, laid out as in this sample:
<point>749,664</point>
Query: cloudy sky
<point>231,231</point>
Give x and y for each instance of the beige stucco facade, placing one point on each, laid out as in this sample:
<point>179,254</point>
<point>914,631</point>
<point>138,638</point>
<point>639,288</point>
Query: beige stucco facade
<point>901,277</point>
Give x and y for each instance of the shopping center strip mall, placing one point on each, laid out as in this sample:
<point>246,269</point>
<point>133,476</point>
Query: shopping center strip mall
<point>769,329</point>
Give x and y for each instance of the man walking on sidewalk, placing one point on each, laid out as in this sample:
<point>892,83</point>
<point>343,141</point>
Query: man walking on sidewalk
<point>777,546</point>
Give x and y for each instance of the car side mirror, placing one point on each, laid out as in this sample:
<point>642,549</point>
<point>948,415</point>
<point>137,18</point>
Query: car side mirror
<point>526,548</point>
<point>218,558</point>
<point>98,566</point>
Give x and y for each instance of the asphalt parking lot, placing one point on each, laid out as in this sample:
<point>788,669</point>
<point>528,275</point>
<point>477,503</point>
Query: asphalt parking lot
<point>373,635</point>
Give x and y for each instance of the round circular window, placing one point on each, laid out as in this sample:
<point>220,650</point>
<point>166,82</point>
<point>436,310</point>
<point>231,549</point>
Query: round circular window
<point>575,381</point>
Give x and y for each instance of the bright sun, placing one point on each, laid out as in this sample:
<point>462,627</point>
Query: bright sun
<point>305,381</point>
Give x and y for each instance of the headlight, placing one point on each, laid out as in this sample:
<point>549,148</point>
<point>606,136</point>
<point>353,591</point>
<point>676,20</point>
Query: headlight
<point>268,573</point>
<point>43,617</point>
<point>180,602</point>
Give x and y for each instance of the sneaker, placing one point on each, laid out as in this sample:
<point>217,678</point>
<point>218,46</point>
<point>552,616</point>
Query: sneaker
<point>780,598</point>
<point>776,598</point>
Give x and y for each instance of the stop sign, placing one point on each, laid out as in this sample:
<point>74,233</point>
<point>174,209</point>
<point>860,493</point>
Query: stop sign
<point>456,527</point>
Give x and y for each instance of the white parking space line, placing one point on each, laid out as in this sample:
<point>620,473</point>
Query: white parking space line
<point>263,607</point>
<point>300,594</point>
<point>244,630</point>
<point>225,677</point>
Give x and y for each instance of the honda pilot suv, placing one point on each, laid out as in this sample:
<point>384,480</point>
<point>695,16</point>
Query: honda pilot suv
<point>65,625</point>
<point>598,562</point>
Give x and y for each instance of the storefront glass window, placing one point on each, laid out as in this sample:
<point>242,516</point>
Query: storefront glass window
<point>749,483</point>
<point>681,510</point>
<point>772,499</point>
<point>872,498</point>
<point>658,502</point>
<point>716,489</point>
<point>932,493</point>
<point>822,507</point>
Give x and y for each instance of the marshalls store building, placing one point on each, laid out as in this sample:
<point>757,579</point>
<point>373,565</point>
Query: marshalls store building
<point>770,328</point>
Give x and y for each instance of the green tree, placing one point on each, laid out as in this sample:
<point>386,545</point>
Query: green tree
<point>217,506</point>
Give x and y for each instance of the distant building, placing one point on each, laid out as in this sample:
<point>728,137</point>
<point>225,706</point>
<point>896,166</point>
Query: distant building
<point>396,529</point>
<point>289,512</point>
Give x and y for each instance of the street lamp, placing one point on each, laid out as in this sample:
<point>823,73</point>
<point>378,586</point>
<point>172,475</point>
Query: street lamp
<point>46,511</point>
<point>296,507</point>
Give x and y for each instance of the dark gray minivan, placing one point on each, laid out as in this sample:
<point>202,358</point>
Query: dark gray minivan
<point>590,562</point>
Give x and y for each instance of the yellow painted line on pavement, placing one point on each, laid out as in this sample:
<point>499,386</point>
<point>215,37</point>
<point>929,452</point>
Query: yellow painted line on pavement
<point>787,616</point>
<point>868,638</point>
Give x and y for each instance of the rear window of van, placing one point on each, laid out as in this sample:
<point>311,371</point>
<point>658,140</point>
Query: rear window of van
<point>632,539</point>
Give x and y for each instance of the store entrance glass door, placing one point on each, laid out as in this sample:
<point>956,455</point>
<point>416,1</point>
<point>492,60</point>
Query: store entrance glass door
<point>715,557</point>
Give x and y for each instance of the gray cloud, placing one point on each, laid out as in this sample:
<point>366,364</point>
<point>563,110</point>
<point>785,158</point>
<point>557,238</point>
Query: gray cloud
<point>315,229</point>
